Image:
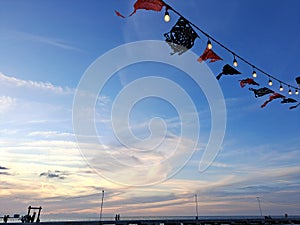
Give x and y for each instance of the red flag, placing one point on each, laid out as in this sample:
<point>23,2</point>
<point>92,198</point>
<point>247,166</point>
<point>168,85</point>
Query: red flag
<point>247,81</point>
<point>209,54</point>
<point>155,5</point>
<point>119,14</point>
<point>271,98</point>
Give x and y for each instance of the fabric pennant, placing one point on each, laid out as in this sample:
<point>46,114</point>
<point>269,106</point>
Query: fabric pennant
<point>295,106</point>
<point>228,70</point>
<point>288,100</point>
<point>155,5</point>
<point>181,37</point>
<point>209,54</point>
<point>261,91</point>
<point>271,98</point>
<point>248,81</point>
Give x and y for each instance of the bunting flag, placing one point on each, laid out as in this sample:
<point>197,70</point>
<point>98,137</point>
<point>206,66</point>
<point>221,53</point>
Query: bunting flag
<point>181,37</point>
<point>271,98</point>
<point>248,81</point>
<point>288,100</point>
<point>298,81</point>
<point>261,91</point>
<point>295,106</point>
<point>209,54</point>
<point>155,5</point>
<point>228,70</point>
<point>119,14</point>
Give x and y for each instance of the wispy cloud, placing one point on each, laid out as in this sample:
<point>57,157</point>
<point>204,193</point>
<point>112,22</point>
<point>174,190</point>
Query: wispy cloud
<point>16,82</point>
<point>6,102</point>
<point>46,40</point>
<point>56,174</point>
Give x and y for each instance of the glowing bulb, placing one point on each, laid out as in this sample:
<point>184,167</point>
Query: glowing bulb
<point>270,82</point>
<point>290,92</point>
<point>254,74</point>
<point>280,88</point>
<point>296,92</point>
<point>167,17</point>
<point>235,63</point>
<point>209,45</point>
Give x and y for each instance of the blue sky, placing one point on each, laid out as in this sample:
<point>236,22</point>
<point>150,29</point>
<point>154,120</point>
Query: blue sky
<point>46,47</point>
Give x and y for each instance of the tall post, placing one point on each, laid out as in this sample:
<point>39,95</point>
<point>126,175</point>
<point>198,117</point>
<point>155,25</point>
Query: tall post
<point>101,206</point>
<point>196,202</point>
<point>258,200</point>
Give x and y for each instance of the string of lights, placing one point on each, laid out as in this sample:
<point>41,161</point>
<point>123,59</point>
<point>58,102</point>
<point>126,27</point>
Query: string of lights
<point>212,40</point>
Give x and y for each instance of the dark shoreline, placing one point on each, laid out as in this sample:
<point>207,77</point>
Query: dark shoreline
<point>174,222</point>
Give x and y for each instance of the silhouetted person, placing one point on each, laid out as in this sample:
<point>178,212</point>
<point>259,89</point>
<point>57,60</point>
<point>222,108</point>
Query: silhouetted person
<point>32,217</point>
<point>5,218</point>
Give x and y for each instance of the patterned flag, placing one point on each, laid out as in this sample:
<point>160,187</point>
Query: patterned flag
<point>261,91</point>
<point>209,54</point>
<point>271,98</point>
<point>228,70</point>
<point>288,100</point>
<point>155,5</point>
<point>181,37</point>
<point>248,81</point>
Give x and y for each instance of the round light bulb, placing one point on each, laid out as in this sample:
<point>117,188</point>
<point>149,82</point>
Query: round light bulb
<point>280,88</point>
<point>209,45</point>
<point>290,92</point>
<point>167,17</point>
<point>254,74</point>
<point>235,63</point>
<point>296,92</point>
<point>270,82</point>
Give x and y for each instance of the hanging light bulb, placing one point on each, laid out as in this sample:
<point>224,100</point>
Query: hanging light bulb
<point>254,74</point>
<point>235,63</point>
<point>290,91</point>
<point>296,92</point>
<point>209,45</point>
<point>270,82</point>
<point>280,88</point>
<point>167,17</point>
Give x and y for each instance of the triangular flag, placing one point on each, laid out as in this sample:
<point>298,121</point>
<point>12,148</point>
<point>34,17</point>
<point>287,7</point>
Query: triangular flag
<point>261,91</point>
<point>209,54</point>
<point>288,100</point>
<point>181,37</point>
<point>248,81</point>
<point>294,106</point>
<point>228,70</point>
<point>155,5</point>
<point>271,98</point>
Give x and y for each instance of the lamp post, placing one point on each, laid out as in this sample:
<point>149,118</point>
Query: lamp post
<point>101,206</point>
<point>196,202</point>
<point>258,200</point>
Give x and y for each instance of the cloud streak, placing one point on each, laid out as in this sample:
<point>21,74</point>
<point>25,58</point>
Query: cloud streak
<point>47,86</point>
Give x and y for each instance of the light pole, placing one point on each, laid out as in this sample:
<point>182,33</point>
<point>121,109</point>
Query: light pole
<point>258,200</point>
<point>101,206</point>
<point>196,202</point>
